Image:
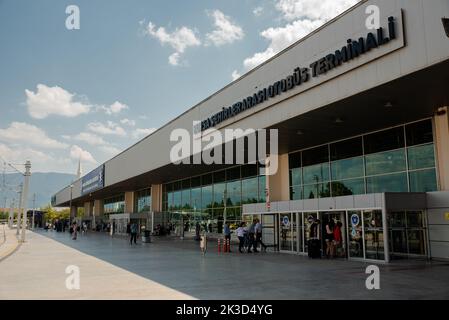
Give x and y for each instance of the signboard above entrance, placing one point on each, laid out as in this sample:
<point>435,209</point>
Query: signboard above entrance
<point>92,181</point>
<point>354,53</point>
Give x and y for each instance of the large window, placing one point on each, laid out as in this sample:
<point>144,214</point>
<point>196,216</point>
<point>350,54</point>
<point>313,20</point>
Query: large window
<point>400,159</point>
<point>142,200</point>
<point>114,205</point>
<point>216,194</point>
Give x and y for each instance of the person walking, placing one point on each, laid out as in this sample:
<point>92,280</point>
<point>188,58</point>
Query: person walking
<point>258,231</point>
<point>227,234</point>
<point>252,237</point>
<point>241,231</point>
<point>74,231</point>
<point>133,233</point>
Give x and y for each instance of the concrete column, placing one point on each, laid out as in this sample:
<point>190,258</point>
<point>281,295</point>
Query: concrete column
<point>442,147</point>
<point>98,208</point>
<point>88,209</point>
<point>73,212</point>
<point>129,202</point>
<point>156,197</point>
<point>279,182</point>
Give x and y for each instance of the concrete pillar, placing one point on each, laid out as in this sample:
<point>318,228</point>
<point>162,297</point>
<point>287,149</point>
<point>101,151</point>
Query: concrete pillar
<point>129,202</point>
<point>73,212</point>
<point>156,197</point>
<point>88,209</point>
<point>441,121</point>
<point>98,208</point>
<point>279,182</point>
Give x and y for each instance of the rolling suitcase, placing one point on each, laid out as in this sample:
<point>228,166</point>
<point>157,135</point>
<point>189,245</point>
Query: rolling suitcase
<point>314,251</point>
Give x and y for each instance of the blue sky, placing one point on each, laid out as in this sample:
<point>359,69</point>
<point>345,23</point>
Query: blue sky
<point>131,67</point>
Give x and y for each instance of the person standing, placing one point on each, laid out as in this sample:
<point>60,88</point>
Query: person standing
<point>338,239</point>
<point>133,233</point>
<point>329,238</point>
<point>314,246</point>
<point>251,237</point>
<point>74,231</point>
<point>258,231</point>
<point>241,235</point>
<point>227,234</point>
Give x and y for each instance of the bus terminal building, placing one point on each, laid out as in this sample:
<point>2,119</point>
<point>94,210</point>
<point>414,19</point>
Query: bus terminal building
<point>362,126</point>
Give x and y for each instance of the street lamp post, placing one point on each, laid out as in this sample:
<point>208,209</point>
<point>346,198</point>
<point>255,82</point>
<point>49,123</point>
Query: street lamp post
<point>34,206</point>
<point>25,197</point>
<point>19,212</point>
<point>11,213</point>
<point>70,205</point>
<point>225,198</point>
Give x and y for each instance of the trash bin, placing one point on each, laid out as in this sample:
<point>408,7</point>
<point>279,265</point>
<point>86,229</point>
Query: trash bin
<point>146,236</point>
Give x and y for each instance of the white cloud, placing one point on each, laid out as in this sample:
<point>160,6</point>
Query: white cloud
<point>27,134</point>
<point>311,9</point>
<point>179,40</point>
<point>280,38</point>
<point>77,152</point>
<point>258,11</point>
<point>303,17</point>
<point>235,75</point>
<point>110,128</point>
<point>90,138</point>
<point>110,150</point>
<point>40,161</point>
<point>53,100</point>
<point>139,133</point>
<point>225,30</point>
<point>128,122</point>
<point>114,108</point>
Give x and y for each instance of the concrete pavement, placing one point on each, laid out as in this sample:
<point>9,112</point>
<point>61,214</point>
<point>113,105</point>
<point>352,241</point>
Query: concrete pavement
<point>174,269</point>
<point>8,241</point>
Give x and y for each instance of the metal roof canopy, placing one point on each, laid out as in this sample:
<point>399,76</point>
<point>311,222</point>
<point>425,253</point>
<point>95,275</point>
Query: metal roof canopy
<point>413,97</point>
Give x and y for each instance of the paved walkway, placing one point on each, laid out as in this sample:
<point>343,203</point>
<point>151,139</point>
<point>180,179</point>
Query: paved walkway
<point>174,269</point>
<point>8,241</point>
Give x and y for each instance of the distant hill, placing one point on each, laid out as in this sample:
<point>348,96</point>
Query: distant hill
<point>43,184</point>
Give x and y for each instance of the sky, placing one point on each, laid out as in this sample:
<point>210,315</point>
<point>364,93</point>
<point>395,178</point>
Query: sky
<point>132,66</point>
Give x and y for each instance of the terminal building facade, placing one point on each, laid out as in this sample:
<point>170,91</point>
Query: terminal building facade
<point>363,138</point>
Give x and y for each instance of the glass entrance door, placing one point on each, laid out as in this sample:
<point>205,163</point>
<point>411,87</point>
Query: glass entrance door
<point>365,235</point>
<point>288,232</point>
<point>407,231</point>
<point>338,219</point>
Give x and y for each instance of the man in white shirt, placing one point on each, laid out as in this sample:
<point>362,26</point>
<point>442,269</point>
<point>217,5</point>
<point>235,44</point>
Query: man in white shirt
<point>258,230</point>
<point>241,231</point>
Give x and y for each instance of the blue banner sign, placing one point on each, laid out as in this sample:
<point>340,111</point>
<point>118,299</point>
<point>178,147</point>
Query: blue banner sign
<point>92,181</point>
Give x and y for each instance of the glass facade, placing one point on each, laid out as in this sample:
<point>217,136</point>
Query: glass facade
<point>212,196</point>
<point>401,159</point>
<point>142,201</point>
<point>114,205</point>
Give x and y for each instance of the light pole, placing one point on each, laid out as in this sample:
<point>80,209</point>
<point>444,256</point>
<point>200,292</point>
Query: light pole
<point>34,206</point>
<point>225,200</point>
<point>19,212</point>
<point>25,197</point>
<point>11,213</point>
<point>70,205</point>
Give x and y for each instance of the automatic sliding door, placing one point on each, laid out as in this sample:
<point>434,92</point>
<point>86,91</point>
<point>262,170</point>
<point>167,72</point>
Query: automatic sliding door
<point>286,238</point>
<point>355,234</point>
